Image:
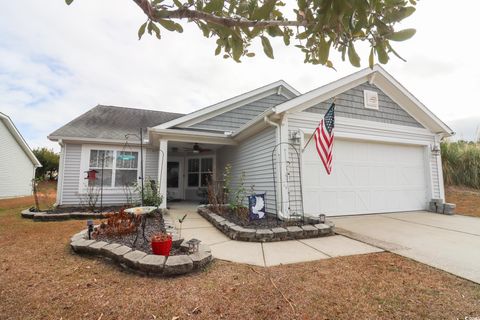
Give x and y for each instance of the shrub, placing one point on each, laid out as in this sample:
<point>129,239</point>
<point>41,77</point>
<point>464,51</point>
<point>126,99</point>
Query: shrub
<point>151,193</point>
<point>461,163</point>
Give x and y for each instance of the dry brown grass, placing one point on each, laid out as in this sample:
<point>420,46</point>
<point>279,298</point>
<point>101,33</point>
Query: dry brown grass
<point>40,278</point>
<point>466,199</point>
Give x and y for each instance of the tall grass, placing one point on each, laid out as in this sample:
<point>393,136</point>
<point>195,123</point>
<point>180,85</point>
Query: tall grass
<point>461,163</point>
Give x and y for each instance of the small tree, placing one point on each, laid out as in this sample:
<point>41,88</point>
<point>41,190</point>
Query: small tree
<point>49,160</point>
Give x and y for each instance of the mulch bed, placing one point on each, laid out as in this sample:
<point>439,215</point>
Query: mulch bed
<point>270,221</point>
<point>82,209</point>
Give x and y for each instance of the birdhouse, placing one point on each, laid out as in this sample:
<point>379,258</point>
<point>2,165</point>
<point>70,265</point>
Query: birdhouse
<point>91,174</point>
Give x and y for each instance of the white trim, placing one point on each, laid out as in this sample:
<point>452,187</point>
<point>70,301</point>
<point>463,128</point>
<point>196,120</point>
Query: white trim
<point>428,165</point>
<point>20,140</point>
<point>227,103</point>
<point>84,165</point>
<point>97,140</point>
<point>385,82</point>
<point>61,173</point>
<point>193,136</point>
<point>440,171</point>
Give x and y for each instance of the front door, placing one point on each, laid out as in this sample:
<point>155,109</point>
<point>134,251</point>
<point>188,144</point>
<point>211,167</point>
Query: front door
<point>175,179</point>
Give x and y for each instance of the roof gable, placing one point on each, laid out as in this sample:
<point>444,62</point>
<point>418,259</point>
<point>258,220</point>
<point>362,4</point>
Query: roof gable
<point>382,80</point>
<point>19,138</point>
<point>188,121</point>
<point>350,104</point>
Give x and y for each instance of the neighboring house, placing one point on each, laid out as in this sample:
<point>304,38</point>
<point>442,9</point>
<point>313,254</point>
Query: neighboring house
<point>17,161</point>
<point>386,155</point>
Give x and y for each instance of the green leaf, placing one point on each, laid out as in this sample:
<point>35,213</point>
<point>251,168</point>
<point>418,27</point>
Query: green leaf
<point>353,56</point>
<point>250,54</point>
<point>381,53</point>
<point>68,2</point>
<point>323,50</point>
<point>218,50</point>
<point>237,48</point>
<point>214,6</point>
<point>141,31</point>
<point>267,47</point>
<point>371,59</point>
<point>153,27</point>
<point>402,35</point>
<point>177,3</point>
<point>264,11</point>
<point>170,25</point>
<point>400,14</point>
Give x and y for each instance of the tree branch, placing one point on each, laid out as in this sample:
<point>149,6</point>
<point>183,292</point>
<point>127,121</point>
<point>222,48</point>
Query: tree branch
<point>195,15</point>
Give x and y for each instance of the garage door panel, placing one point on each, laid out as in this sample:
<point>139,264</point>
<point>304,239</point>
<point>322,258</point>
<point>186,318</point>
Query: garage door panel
<point>367,178</point>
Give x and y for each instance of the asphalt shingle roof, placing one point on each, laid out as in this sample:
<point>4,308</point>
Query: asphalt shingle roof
<point>110,122</point>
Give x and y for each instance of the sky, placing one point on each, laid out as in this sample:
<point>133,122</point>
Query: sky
<point>59,61</point>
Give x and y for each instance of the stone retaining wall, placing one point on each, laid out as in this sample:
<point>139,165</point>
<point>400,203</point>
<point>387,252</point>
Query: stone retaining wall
<point>140,261</point>
<point>237,232</point>
<point>44,216</point>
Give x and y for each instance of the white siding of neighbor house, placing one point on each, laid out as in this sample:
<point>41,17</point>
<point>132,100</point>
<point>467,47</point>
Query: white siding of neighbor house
<point>254,157</point>
<point>16,168</point>
<point>70,195</point>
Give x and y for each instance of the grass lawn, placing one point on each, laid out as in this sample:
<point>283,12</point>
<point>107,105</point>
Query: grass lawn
<point>466,199</point>
<point>40,278</point>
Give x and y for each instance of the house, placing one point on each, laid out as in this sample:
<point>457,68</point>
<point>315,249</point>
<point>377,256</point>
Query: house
<point>386,153</point>
<point>17,161</point>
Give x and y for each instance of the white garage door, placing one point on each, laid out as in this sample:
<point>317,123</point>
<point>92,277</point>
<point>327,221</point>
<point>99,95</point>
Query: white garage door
<point>366,178</point>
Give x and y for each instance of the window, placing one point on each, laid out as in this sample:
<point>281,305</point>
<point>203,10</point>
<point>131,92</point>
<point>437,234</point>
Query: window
<point>199,170</point>
<point>120,168</point>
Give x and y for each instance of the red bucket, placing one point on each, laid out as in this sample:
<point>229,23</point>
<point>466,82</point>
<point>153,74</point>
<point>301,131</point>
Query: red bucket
<point>162,247</point>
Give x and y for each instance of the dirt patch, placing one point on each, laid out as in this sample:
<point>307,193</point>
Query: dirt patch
<point>466,199</point>
<point>40,278</point>
<point>47,194</point>
<point>270,221</point>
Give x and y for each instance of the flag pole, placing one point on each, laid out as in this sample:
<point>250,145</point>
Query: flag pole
<point>310,139</point>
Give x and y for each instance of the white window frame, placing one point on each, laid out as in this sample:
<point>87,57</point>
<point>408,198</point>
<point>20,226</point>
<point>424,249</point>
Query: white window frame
<point>85,165</point>
<point>214,165</point>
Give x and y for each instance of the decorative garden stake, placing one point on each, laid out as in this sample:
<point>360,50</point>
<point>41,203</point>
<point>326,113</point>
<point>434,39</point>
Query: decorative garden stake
<point>90,228</point>
<point>322,218</point>
<point>193,245</point>
<point>181,221</point>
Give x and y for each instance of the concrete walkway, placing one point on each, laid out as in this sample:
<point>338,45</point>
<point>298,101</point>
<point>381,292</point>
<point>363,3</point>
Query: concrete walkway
<point>450,243</point>
<point>263,254</point>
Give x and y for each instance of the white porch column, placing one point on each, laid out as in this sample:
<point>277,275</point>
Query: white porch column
<point>162,170</point>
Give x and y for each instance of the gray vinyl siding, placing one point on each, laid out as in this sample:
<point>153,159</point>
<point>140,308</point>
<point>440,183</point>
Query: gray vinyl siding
<point>151,165</point>
<point>253,157</point>
<point>16,168</point>
<point>72,175</point>
<point>350,104</point>
<point>232,120</point>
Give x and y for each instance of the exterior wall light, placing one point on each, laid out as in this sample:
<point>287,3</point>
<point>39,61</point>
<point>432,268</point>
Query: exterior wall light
<point>90,228</point>
<point>435,149</point>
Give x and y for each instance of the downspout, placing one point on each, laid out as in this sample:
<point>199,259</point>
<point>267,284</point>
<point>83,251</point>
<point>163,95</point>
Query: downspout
<point>279,131</point>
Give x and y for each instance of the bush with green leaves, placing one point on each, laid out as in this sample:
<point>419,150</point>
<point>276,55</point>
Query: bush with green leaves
<point>151,193</point>
<point>49,160</point>
<point>461,163</point>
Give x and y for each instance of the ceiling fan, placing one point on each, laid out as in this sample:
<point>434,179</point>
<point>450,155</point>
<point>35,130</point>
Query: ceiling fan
<point>197,149</point>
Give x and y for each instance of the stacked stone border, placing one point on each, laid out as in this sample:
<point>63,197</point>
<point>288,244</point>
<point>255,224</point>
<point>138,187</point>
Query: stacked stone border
<point>237,232</point>
<point>45,216</point>
<point>438,206</point>
<point>141,262</point>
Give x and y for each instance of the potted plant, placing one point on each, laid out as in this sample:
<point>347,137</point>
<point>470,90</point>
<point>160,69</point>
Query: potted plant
<point>161,244</point>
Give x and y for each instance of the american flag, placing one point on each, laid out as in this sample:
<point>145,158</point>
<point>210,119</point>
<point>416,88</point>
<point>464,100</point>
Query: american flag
<point>324,138</point>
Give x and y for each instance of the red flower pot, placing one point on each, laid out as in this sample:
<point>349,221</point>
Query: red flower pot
<point>162,247</point>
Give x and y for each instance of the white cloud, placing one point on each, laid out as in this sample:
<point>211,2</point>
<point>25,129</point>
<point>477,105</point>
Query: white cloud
<point>58,61</point>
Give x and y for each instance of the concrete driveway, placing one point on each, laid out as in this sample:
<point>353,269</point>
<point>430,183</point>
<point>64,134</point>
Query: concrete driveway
<point>450,243</point>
